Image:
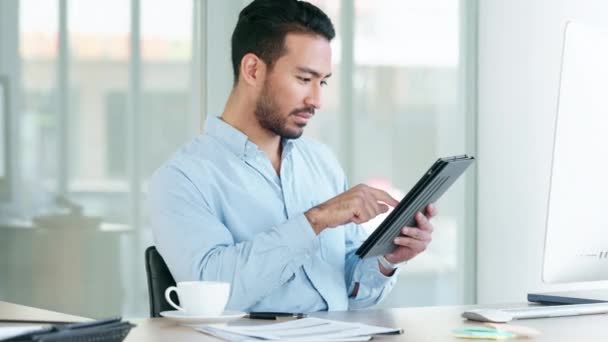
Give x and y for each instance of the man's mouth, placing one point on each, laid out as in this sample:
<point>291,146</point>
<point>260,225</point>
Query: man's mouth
<point>301,118</point>
<point>305,115</point>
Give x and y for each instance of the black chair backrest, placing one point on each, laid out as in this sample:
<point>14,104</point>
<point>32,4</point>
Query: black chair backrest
<point>159,278</point>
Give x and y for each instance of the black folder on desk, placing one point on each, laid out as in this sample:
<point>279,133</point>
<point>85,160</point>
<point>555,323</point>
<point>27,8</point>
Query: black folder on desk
<point>107,330</point>
<point>442,174</point>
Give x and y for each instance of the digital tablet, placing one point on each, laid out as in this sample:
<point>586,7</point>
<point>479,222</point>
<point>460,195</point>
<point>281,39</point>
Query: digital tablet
<point>442,174</point>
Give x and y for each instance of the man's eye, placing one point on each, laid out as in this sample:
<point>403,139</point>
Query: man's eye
<point>304,79</point>
<point>323,83</point>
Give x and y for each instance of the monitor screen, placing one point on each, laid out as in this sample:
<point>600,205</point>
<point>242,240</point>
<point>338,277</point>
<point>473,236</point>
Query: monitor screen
<point>576,243</point>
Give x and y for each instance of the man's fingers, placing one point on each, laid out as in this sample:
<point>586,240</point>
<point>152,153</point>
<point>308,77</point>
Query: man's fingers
<point>415,245</point>
<point>381,195</point>
<point>417,234</point>
<point>371,210</point>
<point>431,211</point>
<point>378,206</point>
<point>373,205</point>
<point>370,205</point>
<point>383,208</point>
<point>358,220</point>
<point>423,222</point>
<point>361,214</point>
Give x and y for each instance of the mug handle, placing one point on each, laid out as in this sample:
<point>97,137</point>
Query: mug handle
<point>168,298</point>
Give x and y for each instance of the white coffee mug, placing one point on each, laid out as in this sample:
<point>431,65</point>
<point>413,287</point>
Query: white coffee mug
<point>201,298</point>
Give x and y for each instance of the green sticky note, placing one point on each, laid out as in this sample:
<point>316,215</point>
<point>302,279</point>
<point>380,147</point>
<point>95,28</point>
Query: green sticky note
<point>482,333</point>
<point>479,328</point>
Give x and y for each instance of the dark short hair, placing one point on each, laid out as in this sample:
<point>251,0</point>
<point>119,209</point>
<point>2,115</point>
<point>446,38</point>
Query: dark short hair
<point>263,25</point>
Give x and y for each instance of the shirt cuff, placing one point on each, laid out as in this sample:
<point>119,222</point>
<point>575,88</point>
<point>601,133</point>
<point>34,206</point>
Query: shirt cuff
<point>297,234</point>
<point>368,273</point>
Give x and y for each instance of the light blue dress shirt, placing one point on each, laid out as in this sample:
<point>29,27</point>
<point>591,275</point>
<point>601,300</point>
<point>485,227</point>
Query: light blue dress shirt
<point>219,211</point>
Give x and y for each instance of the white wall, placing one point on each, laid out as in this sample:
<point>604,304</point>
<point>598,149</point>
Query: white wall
<point>519,58</point>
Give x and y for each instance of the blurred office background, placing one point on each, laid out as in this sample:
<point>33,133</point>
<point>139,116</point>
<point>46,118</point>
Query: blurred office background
<point>99,93</point>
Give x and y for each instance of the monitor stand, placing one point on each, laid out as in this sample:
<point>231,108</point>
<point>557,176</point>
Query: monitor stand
<point>570,297</point>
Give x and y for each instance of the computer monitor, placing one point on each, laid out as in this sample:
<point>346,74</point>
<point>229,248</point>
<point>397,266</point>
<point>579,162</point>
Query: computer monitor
<point>576,241</point>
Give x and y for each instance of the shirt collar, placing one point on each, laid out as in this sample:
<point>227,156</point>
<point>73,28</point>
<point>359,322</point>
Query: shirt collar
<point>235,140</point>
<point>287,147</point>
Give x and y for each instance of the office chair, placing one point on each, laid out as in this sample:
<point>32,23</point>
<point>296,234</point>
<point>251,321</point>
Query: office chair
<point>159,278</point>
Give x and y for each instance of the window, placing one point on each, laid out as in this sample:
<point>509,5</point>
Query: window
<point>105,96</point>
<point>103,92</point>
<point>395,105</point>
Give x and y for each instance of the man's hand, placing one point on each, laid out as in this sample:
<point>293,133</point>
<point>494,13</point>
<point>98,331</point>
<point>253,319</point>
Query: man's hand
<point>413,240</point>
<point>359,204</point>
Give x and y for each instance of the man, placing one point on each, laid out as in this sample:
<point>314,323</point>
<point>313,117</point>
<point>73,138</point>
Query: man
<point>251,203</point>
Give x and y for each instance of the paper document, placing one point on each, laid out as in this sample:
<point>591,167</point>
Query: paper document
<point>300,330</point>
<point>9,331</point>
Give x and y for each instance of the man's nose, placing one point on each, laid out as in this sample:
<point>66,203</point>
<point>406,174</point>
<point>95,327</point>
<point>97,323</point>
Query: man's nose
<point>314,97</point>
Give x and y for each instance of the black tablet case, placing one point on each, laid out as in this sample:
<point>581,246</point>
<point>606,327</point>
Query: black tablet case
<point>442,174</point>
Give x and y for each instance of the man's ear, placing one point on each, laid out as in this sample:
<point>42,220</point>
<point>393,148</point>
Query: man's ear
<point>253,70</point>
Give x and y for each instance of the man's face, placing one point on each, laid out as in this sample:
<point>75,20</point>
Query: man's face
<point>292,89</point>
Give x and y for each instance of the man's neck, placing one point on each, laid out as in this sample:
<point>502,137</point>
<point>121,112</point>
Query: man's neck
<point>239,113</point>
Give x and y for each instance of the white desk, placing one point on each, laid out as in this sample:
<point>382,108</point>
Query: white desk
<point>420,324</point>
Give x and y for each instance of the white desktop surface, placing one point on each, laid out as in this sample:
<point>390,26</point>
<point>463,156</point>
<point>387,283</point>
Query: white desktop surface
<point>20,312</point>
<point>419,324</point>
